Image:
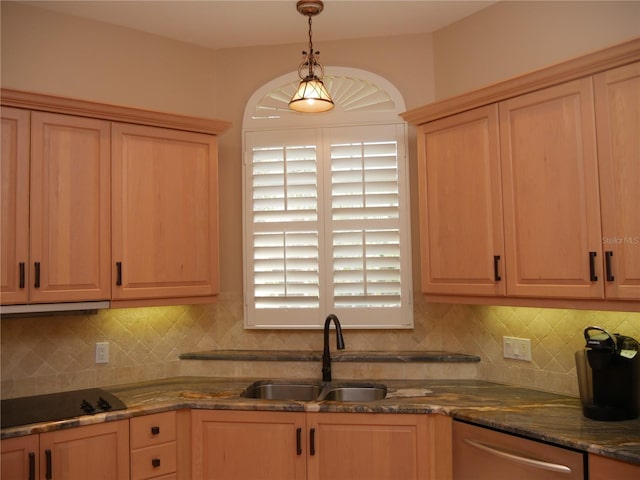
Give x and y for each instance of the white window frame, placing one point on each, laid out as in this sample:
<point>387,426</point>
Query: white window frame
<point>320,127</point>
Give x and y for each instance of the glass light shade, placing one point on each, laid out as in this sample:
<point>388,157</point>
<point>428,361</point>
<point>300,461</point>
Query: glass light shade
<point>311,97</point>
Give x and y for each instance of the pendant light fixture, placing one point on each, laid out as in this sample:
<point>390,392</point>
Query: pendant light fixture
<point>311,95</point>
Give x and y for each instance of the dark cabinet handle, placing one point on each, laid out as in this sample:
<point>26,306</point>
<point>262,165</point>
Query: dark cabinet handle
<point>155,430</point>
<point>118,273</point>
<point>592,266</point>
<point>32,466</point>
<point>496,272</point>
<point>299,441</point>
<point>155,463</point>
<point>607,261</point>
<point>22,275</point>
<point>312,441</point>
<point>47,455</point>
<point>36,266</point>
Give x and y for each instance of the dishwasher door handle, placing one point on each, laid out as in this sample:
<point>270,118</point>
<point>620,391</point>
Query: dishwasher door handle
<point>554,467</point>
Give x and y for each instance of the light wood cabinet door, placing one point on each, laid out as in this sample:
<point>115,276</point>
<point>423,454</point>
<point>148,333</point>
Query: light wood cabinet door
<point>603,468</point>
<point>165,213</point>
<point>617,95</point>
<point>550,188</point>
<point>19,458</point>
<point>461,231</point>
<point>14,202</point>
<point>236,445</point>
<point>70,209</point>
<point>361,446</point>
<point>99,452</point>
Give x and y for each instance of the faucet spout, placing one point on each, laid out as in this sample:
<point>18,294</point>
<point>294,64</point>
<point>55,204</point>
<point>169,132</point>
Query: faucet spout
<point>326,355</point>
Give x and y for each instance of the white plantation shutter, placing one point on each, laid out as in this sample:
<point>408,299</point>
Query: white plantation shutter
<point>326,207</point>
<point>326,228</point>
<point>364,220</point>
<point>282,225</point>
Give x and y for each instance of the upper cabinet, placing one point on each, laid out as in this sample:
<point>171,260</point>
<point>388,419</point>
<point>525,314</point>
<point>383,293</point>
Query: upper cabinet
<point>550,189</point>
<point>70,208</point>
<point>56,208</point>
<point>165,213</point>
<point>106,203</point>
<point>617,96</point>
<point>461,232</point>
<point>528,189</point>
<point>14,229</point>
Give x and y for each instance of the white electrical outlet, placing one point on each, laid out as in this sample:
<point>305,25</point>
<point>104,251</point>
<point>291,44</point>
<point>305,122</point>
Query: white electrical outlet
<point>517,348</point>
<point>102,352</point>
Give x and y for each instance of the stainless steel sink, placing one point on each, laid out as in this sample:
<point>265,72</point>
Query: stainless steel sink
<point>273,390</point>
<point>309,391</point>
<point>354,393</point>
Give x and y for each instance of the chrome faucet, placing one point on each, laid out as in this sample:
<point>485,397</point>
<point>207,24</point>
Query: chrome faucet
<point>326,356</point>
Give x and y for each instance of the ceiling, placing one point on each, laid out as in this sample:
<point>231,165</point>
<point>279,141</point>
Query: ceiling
<point>242,23</point>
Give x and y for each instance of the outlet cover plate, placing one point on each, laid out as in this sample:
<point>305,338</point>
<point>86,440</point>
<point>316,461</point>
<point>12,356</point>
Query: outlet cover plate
<point>102,352</point>
<point>517,348</point>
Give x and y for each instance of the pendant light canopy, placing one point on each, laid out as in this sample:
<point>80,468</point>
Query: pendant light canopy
<point>311,96</point>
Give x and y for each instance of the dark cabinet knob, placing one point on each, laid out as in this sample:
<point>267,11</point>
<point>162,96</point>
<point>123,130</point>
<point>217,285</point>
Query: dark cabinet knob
<point>155,462</point>
<point>155,430</point>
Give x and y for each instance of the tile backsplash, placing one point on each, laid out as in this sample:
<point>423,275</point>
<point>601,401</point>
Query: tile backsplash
<point>55,353</point>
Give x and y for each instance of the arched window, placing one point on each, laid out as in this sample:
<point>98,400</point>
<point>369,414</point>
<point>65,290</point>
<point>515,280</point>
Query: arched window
<point>326,207</point>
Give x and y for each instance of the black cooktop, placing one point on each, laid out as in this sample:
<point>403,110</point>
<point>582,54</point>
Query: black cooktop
<point>57,406</point>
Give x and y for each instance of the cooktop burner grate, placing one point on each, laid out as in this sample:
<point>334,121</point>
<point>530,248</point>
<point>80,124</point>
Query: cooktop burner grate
<point>57,406</point>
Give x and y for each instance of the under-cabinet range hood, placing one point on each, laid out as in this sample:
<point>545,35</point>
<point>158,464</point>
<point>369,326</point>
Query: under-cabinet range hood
<point>44,308</point>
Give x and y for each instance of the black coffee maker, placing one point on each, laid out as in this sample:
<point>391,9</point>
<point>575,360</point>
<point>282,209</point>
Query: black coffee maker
<point>609,375</point>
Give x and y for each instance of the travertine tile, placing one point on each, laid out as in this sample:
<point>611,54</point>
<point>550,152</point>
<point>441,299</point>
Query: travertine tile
<point>47,354</point>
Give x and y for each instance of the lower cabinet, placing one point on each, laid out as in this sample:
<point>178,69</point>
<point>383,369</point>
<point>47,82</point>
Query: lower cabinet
<point>99,451</point>
<point>153,446</point>
<point>235,445</point>
<point>603,468</point>
<point>229,445</point>
<point>19,458</point>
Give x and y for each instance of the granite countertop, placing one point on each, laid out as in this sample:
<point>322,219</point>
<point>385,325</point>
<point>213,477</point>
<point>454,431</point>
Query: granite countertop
<point>538,415</point>
<point>339,356</point>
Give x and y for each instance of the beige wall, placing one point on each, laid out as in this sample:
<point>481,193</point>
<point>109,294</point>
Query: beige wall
<point>515,37</point>
<point>48,52</point>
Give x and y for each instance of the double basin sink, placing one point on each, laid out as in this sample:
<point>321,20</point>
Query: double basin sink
<point>310,391</point>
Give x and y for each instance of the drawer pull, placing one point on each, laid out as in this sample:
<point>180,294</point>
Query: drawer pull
<point>32,466</point>
<point>554,467</point>
<point>496,270</point>
<point>118,274</point>
<point>312,441</point>
<point>155,430</point>
<point>36,267</point>
<point>22,275</point>
<point>607,257</point>
<point>155,463</point>
<point>299,441</point>
<point>592,267</point>
<point>47,458</point>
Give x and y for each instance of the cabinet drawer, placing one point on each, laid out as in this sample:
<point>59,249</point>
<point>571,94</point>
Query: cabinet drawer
<point>153,429</point>
<point>152,462</point>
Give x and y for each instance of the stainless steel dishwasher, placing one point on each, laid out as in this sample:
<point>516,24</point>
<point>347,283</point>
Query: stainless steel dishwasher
<point>483,454</point>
